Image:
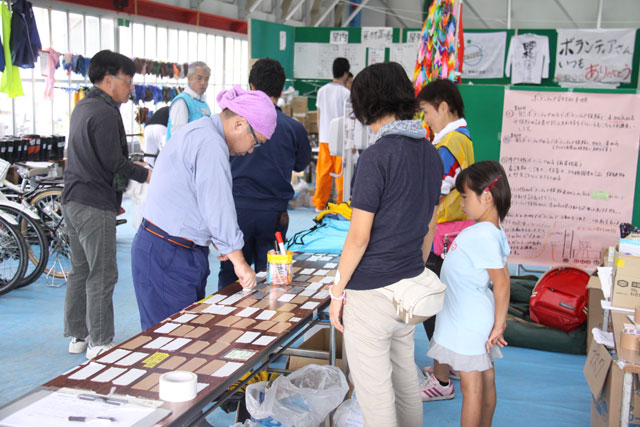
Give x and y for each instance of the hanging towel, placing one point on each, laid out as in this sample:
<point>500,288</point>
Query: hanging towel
<point>10,82</point>
<point>51,71</point>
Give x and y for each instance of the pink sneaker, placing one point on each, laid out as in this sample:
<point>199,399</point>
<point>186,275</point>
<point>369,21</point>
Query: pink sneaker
<point>453,374</point>
<point>434,391</point>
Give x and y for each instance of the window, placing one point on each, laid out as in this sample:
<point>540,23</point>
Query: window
<point>85,35</point>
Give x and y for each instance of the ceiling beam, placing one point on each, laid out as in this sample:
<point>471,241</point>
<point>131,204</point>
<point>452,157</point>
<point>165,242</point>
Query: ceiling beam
<point>294,10</point>
<point>254,5</point>
<point>393,13</point>
<point>326,13</point>
<point>566,13</point>
<point>468,3</point>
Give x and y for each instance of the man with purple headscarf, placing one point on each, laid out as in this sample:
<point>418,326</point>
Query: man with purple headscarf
<point>190,204</point>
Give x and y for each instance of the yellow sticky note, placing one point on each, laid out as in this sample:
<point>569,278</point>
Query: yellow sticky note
<point>619,263</point>
<point>154,359</point>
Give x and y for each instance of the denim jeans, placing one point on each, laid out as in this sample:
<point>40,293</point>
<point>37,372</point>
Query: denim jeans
<point>88,307</point>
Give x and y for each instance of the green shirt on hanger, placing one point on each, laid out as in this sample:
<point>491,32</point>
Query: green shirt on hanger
<point>10,82</point>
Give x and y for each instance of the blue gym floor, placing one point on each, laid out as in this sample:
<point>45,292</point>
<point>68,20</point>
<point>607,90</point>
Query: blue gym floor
<point>535,388</point>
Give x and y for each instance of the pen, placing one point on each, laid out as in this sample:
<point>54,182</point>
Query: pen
<point>280,243</point>
<point>85,419</point>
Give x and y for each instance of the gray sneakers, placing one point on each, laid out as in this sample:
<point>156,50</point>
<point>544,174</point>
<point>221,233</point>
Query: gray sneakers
<point>95,350</point>
<point>77,345</point>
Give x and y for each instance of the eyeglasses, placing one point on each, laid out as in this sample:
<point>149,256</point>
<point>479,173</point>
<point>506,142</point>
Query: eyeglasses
<point>129,82</point>
<point>255,138</point>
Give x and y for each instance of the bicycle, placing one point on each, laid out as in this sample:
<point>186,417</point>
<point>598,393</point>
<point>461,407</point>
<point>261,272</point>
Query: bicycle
<point>13,254</point>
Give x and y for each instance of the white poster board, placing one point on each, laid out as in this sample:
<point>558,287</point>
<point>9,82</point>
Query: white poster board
<point>571,162</point>
<point>484,55</point>
<point>405,54</point>
<point>315,60</point>
<point>594,56</point>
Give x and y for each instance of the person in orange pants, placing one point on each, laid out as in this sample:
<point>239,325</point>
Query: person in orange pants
<point>330,104</point>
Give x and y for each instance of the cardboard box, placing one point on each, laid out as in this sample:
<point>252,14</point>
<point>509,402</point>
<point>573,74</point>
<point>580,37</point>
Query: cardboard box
<point>595,311</point>
<point>605,381</point>
<point>316,339</point>
<point>626,281</point>
<point>300,105</point>
<point>311,122</point>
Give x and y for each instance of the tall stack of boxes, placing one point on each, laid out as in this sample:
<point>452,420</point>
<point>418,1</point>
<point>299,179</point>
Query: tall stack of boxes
<point>299,110</point>
<point>626,270</point>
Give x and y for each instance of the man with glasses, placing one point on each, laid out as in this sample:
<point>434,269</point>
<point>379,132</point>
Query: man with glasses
<point>262,180</point>
<point>96,173</point>
<point>190,204</point>
<point>191,104</point>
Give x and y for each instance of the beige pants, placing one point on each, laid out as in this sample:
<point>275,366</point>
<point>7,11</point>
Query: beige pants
<point>380,348</point>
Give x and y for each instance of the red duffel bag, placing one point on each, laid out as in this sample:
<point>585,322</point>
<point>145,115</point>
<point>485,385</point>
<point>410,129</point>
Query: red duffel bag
<point>560,298</point>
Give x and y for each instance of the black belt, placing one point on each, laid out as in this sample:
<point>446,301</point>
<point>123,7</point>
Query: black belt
<point>159,232</point>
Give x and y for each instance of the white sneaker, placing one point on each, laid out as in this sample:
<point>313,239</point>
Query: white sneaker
<point>77,345</point>
<point>94,350</point>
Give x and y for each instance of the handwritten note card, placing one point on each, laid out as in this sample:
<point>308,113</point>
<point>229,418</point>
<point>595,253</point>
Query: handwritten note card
<point>571,162</point>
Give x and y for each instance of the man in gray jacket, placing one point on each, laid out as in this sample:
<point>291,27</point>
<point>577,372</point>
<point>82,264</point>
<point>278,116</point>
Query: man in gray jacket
<point>97,172</point>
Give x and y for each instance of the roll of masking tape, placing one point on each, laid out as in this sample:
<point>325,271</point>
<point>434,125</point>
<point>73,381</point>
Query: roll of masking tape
<point>178,386</point>
<point>630,340</point>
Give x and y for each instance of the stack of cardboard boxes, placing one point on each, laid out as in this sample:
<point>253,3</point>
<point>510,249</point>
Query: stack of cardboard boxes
<point>299,110</point>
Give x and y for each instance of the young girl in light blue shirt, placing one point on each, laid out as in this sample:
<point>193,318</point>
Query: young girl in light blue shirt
<point>470,327</point>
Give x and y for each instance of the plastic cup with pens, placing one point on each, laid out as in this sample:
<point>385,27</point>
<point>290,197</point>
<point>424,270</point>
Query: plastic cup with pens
<point>279,268</point>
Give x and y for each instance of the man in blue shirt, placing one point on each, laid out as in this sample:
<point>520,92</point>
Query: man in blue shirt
<point>191,104</point>
<point>262,179</point>
<point>190,204</point>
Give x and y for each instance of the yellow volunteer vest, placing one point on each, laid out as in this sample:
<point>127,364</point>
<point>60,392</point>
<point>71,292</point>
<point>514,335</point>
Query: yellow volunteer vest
<point>462,149</point>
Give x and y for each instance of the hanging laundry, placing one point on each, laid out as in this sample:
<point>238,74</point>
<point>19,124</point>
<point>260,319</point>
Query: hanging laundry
<point>10,82</point>
<point>1,56</point>
<point>25,40</point>
<point>528,59</point>
<point>52,64</point>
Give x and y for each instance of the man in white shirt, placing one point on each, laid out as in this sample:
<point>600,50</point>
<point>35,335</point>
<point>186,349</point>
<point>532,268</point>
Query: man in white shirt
<point>330,105</point>
<point>191,104</point>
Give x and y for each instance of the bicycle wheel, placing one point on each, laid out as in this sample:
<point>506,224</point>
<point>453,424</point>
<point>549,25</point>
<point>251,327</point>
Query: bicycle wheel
<point>48,204</point>
<point>37,244</point>
<point>13,256</point>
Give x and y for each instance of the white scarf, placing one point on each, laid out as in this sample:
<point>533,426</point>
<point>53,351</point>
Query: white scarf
<point>447,129</point>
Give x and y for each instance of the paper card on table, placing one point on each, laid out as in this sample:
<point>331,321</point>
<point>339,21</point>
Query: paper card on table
<point>232,299</point>
<point>214,298</point>
<point>295,269</point>
<point>259,295</point>
<point>302,278</point>
<point>182,330</point>
<point>87,371</point>
<point>247,312</point>
<point>308,271</point>
<point>266,315</point>
<point>328,279</point>
<point>283,316</point>
<point>247,337</point>
<point>228,369</point>
<point>176,344</point>
<point>247,302</point>
<point>310,305</point>
<point>230,336</point>
<point>108,375</point>
<point>321,295</point>
<point>264,340</point>
<point>299,299</point>
<point>316,279</point>
<point>185,318</point>
<point>244,323</point>
<point>263,303</point>
<point>321,272</point>
<point>211,367</point>
<point>286,297</point>
<point>200,386</point>
<point>166,328</point>
<point>240,354</point>
<point>158,342</point>
<point>307,293</point>
<point>263,326</point>
<point>172,363</point>
<point>136,342</point>
<point>287,307</point>
<point>261,274</point>
<point>198,308</point>
<point>325,258</point>
<point>313,258</point>
<point>228,321</point>
<point>148,382</point>
<point>129,377</point>
<point>294,261</point>
<point>330,265</point>
<point>193,364</point>
<point>116,354</point>
<point>295,319</point>
<point>315,286</point>
<point>280,327</point>
<point>155,359</point>
<point>131,359</point>
<point>302,257</point>
<point>215,348</point>
<point>196,347</point>
<point>197,332</point>
<point>218,309</point>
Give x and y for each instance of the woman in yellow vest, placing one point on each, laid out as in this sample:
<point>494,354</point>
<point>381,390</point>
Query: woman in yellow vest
<point>443,110</point>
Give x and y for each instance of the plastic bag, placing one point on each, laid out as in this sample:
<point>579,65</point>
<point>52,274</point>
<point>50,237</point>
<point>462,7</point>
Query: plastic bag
<point>348,414</point>
<point>304,398</point>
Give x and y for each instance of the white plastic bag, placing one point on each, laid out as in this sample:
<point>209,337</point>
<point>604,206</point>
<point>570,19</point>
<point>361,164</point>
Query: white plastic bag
<point>348,414</point>
<point>304,398</point>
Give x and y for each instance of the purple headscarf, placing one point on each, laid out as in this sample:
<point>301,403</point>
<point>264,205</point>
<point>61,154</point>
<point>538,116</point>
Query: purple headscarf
<point>253,105</point>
